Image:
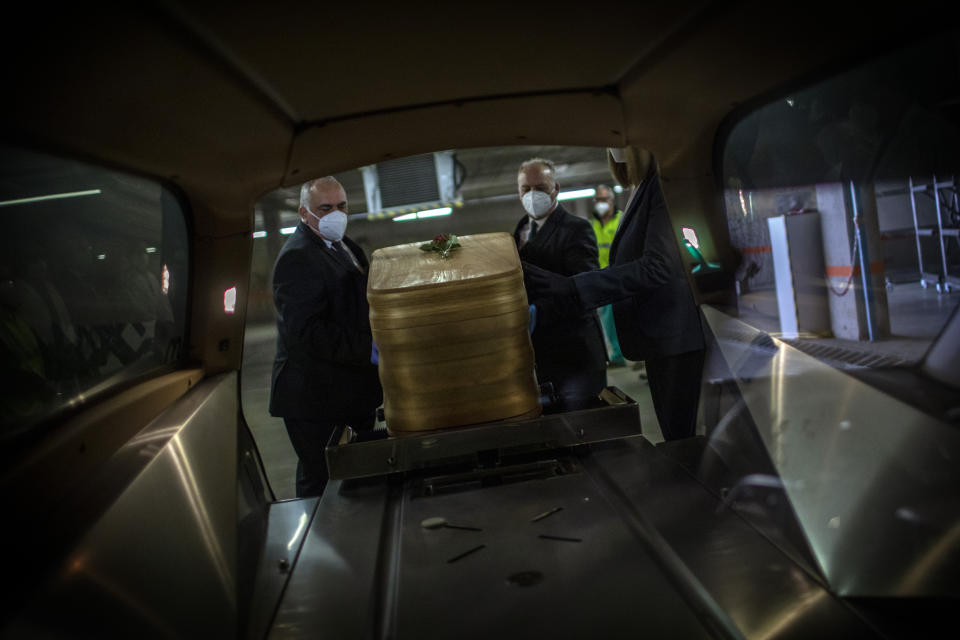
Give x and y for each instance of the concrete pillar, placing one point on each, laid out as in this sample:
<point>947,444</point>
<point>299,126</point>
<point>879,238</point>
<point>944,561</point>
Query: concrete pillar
<point>856,313</point>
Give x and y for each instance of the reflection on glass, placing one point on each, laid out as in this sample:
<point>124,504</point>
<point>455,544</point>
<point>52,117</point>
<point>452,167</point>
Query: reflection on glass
<point>876,153</point>
<point>85,293</point>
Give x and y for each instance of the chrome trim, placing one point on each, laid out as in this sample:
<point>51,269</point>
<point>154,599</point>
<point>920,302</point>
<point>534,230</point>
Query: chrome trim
<point>289,522</point>
<point>162,559</point>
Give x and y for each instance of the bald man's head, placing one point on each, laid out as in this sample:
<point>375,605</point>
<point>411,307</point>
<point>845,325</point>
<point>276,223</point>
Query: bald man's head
<point>310,190</point>
<point>319,198</point>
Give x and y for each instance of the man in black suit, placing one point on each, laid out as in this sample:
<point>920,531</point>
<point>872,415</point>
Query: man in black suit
<point>325,372</point>
<point>656,316</point>
<point>569,352</point>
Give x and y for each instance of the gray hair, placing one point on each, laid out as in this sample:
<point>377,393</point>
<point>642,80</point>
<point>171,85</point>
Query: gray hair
<point>305,189</point>
<point>543,162</point>
<point>607,189</point>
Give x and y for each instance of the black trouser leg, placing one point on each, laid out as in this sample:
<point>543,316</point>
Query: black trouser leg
<point>309,440</point>
<point>675,389</point>
<point>364,422</point>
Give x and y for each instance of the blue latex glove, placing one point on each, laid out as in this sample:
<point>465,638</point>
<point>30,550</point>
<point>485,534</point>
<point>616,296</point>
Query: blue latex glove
<point>533,318</point>
<point>374,354</point>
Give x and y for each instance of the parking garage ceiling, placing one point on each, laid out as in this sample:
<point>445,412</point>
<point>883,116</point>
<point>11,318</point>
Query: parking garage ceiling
<point>488,173</point>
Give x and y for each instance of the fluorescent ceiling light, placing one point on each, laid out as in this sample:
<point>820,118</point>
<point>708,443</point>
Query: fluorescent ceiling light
<point>617,189</point>
<point>52,196</point>
<point>287,230</point>
<point>259,234</point>
<point>429,213</point>
<point>433,213</point>
<point>151,249</point>
<point>579,193</point>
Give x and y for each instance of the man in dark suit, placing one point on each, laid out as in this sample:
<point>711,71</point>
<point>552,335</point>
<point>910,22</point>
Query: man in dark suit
<point>569,352</point>
<point>325,372</point>
<point>656,316</point>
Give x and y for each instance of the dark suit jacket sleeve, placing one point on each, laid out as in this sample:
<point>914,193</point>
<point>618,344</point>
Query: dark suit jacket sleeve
<point>580,253</point>
<point>313,324</point>
<point>639,277</point>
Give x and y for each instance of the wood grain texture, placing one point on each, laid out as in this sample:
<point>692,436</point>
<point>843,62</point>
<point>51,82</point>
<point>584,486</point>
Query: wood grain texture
<point>452,335</point>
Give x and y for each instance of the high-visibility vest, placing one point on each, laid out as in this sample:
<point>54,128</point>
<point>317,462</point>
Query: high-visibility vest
<point>605,233</point>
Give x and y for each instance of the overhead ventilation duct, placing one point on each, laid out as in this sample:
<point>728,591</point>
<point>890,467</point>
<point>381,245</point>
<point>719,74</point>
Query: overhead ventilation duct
<point>411,184</point>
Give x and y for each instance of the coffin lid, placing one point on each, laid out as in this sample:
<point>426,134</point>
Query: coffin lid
<point>480,257</point>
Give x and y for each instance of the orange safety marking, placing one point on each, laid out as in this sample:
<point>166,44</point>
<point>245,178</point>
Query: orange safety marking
<point>846,270</point>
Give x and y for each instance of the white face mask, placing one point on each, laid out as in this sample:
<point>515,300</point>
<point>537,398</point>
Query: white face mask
<point>601,208</point>
<point>331,226</point>
<point>537,203</point>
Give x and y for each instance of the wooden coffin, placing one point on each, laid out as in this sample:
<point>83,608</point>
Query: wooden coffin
<point>452,334</point>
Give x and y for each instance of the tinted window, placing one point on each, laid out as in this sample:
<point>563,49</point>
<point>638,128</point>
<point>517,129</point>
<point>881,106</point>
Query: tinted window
<point>93,275</point>
<point>885,129</point>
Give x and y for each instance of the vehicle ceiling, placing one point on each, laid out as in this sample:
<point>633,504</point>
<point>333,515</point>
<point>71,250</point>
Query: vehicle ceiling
<point>233,100</point>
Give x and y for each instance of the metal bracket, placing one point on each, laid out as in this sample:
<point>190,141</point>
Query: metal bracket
<point>378,454</point>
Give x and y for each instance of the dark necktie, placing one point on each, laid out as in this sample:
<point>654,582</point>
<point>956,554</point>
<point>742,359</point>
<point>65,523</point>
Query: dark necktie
<point>533,230</point>
<point>342,252</point>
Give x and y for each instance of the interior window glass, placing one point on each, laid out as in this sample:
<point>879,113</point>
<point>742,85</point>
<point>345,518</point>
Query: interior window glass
<point>93,277</point>
<point>875,152</point>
